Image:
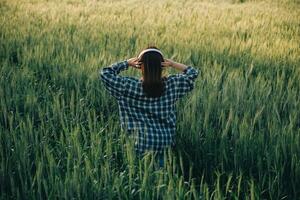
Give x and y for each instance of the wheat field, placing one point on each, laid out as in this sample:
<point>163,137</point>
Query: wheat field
<point>237,133</point>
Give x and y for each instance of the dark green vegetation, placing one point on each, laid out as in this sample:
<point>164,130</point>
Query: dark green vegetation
<point>238,132</point>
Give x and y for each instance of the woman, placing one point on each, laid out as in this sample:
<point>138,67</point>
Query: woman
<point>147,105</point>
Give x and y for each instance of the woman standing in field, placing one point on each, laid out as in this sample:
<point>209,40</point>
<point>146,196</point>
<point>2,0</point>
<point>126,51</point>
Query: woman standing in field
<point>147,105</point>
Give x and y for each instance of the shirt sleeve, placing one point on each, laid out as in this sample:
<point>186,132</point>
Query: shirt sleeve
<point>113,82</point>
<point>185,81</point>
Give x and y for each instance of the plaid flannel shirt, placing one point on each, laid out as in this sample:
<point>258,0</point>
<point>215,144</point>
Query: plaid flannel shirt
<point>150,120</point>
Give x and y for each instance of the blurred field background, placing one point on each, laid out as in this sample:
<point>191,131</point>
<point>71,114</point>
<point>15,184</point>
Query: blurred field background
<point>238,132</point>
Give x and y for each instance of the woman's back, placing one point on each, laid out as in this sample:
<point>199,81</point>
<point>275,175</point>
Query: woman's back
<point>153,119</point>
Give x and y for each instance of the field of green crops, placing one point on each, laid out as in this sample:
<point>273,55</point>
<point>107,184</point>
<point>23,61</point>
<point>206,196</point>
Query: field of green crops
<point>238,132</point>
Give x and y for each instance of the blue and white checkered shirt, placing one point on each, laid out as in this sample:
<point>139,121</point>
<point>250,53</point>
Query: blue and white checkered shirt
<point>151,120</point>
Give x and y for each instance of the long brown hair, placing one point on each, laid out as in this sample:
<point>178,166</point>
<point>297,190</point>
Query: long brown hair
<point>153,85</point>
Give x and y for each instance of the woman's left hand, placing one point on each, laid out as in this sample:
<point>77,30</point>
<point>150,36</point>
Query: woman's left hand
<point>134,62</point>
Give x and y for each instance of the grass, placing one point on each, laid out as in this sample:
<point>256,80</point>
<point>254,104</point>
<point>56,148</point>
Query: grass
<point>238,132</point>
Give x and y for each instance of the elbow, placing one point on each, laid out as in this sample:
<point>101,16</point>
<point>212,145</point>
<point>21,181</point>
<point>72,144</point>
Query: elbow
<point>194,74</point>
<point>103,76</point>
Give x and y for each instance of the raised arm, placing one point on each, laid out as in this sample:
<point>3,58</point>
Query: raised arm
<point>114,83</point>
<point>185,80</point>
